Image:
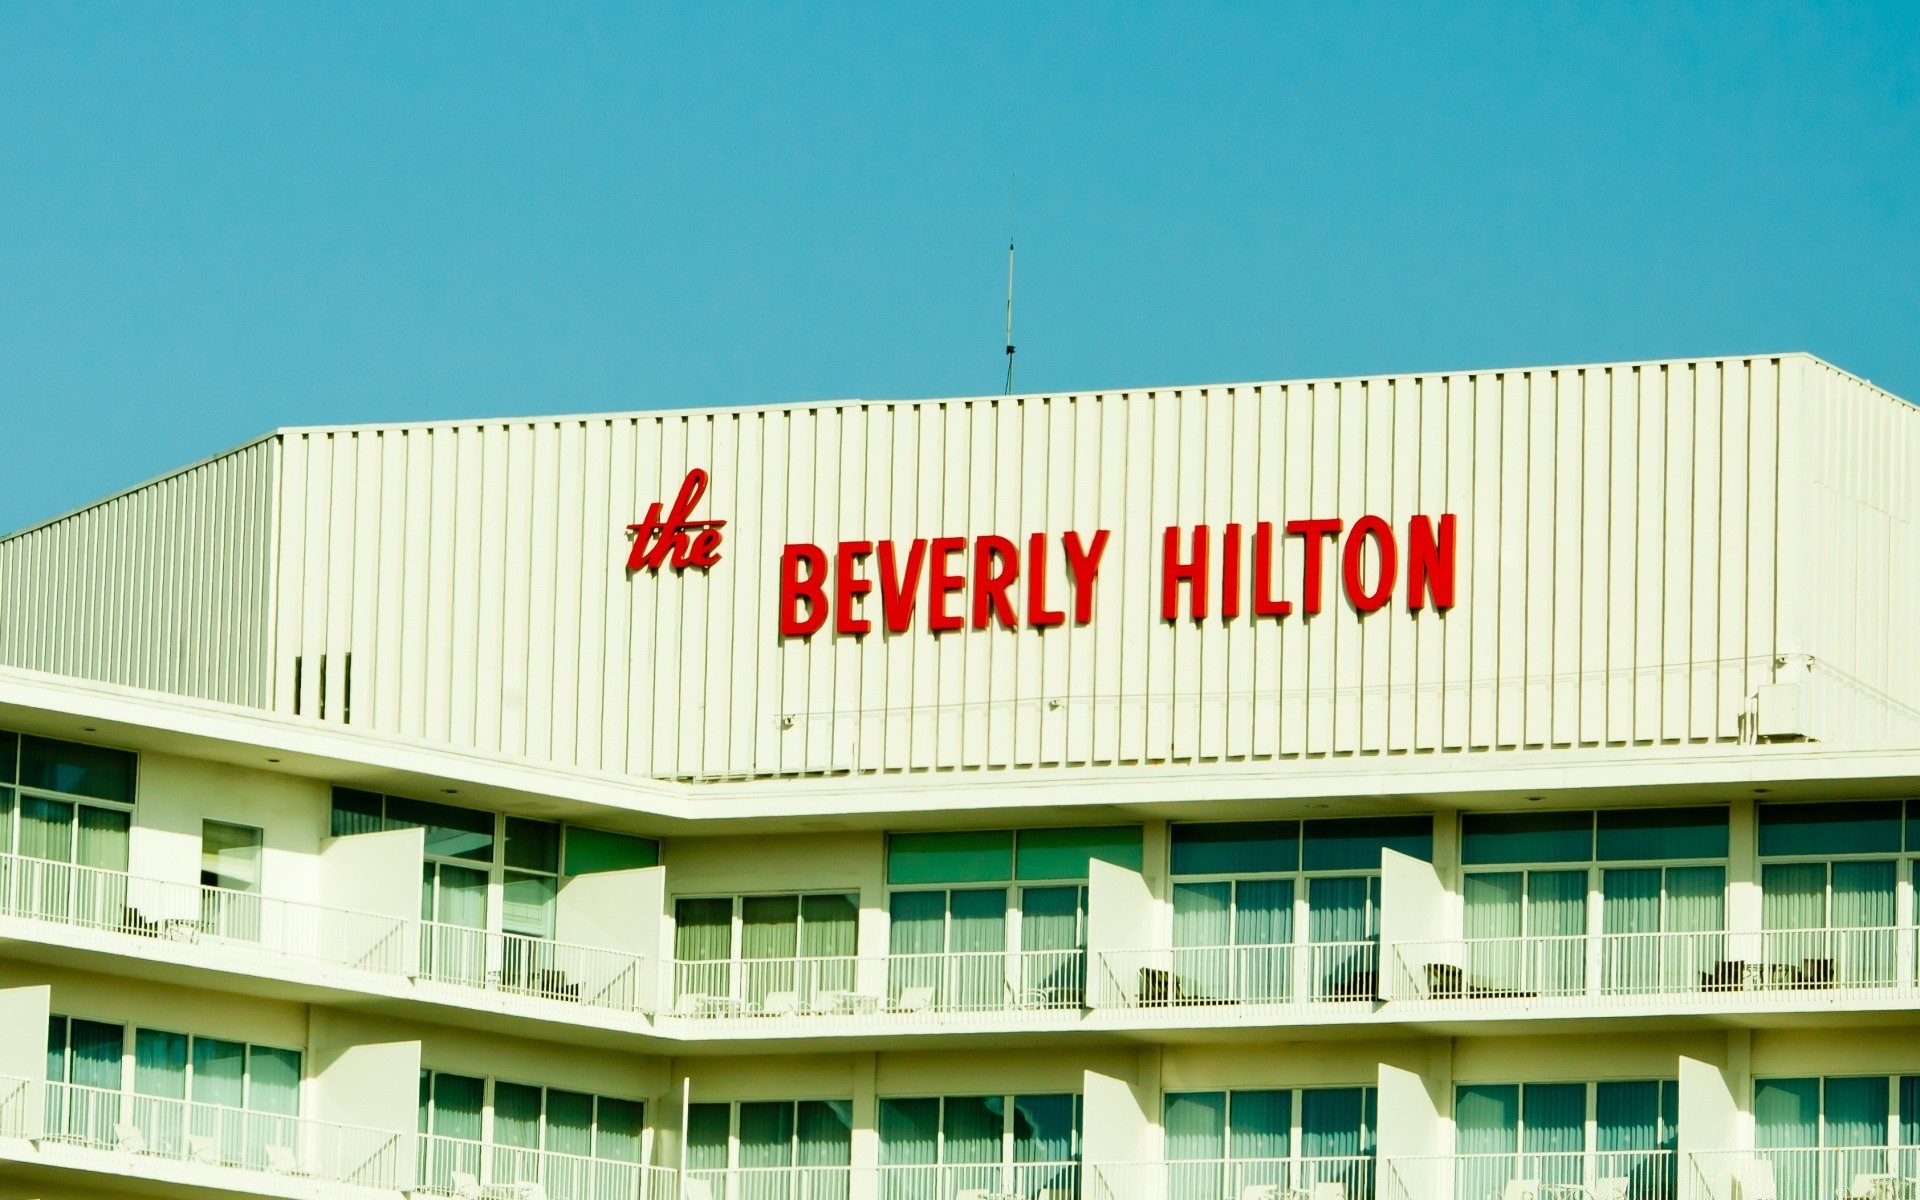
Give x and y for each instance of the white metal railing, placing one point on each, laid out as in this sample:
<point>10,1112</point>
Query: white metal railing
<point>1834,1173</point>
<point>976,1181</point>
<point>527,966</point>
<point>478,1171</point>
<point>768,1183</point>
<point>1191,976</point>
<point>95,898</point>
<point>1345,1178</point>
<point>901,988</point>
<point>210,1135</point>
<point>1611,968</point>
<point>1568,1175</point>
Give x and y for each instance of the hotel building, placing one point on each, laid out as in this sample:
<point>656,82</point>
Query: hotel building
<point>1491,786</point>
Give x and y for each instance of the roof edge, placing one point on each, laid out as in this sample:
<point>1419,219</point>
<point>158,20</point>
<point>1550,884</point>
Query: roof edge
<point>142,486</point>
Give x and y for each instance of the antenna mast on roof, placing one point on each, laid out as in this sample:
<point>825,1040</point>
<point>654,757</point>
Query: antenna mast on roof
<point>1011,214</point>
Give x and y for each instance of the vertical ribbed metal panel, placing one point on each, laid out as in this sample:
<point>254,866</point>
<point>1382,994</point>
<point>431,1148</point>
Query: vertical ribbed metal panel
<point>1617,546</point>
<point>1852,528</point>
<point>166,586</point>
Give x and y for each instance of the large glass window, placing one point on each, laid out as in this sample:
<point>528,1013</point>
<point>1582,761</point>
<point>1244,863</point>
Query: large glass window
<point>1613,1138</point>
<point>496,1134</point>
<point>771,1148</point>
<point>1013,932</point>
<point>776,955</point>
<point>1820,1137</point>
<point>939,1146</point>
<point>205,1098</point>
<point>484,873</point>
<point>1535,882</point>
<point>1273,911</point>
<point>65,810</point>
<point>230,870</point>
<point>1289,1140</point>
<point>1829,878</point>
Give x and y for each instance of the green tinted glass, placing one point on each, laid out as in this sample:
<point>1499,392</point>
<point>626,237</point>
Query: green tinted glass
<point>533,845</point>
<point>1355,843</point>
<point>355,811</point>
<point>451,832</point>
<point>1065,853</point>
<point>968,856</point>
<point>75,769</point>
<point>1811,830</point>
<point>591,851</point>
<point>1236,847</point>
<point>1626,835</point>
<point>1527,837</point>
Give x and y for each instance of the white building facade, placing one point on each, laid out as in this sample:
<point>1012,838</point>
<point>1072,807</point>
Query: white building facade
<point>1495,785</point>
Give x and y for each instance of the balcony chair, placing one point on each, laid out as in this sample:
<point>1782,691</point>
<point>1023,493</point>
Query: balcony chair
<point>1872,1186</point>
<point>1728,975</point>
<point>913,1000</point>
<point>1261,1191</point>
<point>690,1004</point>
<point>203,1151</point>
<point>1816,973</point>
<point>127,1139</point>
<point>1611,1187</point>
<point>466,1186</point>
<point>1445,981</point>
<point>695,1189</point>
<point>1158,986</point>
<point>281,1161</point>
<point>1753,1180</point>
<point>552,983</point>
<point>1330,1190</point>
<point>781,1004</point>
<point>1521,1189</point>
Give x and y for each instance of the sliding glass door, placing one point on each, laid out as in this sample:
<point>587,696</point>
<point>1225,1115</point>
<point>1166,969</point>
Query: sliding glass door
<point>952,941</point>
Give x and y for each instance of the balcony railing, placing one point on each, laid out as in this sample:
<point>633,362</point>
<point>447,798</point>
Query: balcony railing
<point>151,1127</point>
<point>1612,968</point>
<point>16,1097</point>
<point>901,988</point>
<point>529,966</point>
<point>976,1181</point>
<point>1569,1175</point>
<point>1835,1173</point>
<point>1349,1178</point>
<point>227,923</point>
<point>471,1170</point>
<point>1194,976</point>
<point>768,1183</point>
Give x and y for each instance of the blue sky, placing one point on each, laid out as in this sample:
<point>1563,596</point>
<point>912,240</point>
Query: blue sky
<point>217,218</point>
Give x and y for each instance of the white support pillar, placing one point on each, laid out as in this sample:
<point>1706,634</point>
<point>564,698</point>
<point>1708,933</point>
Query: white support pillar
<point>23,1056</point>
<point>1416,1128</point>
<point>1711,1120</point>
<point>1120,1126</point>
<point>366,1072</point>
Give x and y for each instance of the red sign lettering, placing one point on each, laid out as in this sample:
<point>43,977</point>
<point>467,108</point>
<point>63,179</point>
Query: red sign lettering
<point>677,539</point>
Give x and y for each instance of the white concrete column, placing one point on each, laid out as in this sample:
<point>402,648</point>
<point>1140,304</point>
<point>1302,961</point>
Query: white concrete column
<point>1743,883</point>
<point>23,1055</point>
<point>366,1072</point>
<point>1711,1118</point>
<point>1120,1126</point>
<point>866,1129</point>
<point>1416,1127</point>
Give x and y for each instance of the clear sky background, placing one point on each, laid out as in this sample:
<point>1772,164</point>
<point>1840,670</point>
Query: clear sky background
<point>218,218</point>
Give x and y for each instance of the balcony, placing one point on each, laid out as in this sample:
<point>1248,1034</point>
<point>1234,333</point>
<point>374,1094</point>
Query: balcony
<point>121,1133</point>
<point>1631,970</point>
<point>471,1170</point>
<point>1571,1175</point>
<point>513,964</point>
<point>242,931</point>
<point>1347,1178</point>
<point>901,989</point>
<point>1273,976</point>
<point>1845,1173</point>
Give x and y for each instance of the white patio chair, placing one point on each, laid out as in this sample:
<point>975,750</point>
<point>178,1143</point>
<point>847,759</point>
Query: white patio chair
<point>1611,1187</point>
<point>695,1189</point>
<point>690,1004</point>
<point>128,1139</point>
<point>281,1161</point>
<point>1260,1191</point>
<point>466,1186</point>
<point>203,1151</point>
<point>781,1004</point>
<point>1753,1180</point>
<point>914,999</point>
<point>1335,1190</point>
<point>1871,1186</point>
<point>1521,1189</point>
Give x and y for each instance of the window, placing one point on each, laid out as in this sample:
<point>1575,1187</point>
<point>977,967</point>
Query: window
<point>948,1145</point>
<point>230,865</point>
<point>1656,876</point>
<point>65,809</point>
<point>1236,1143</point>
<point>773,1147</point>
<point>485,872</point>
<point>781,954</point>
<point>1822,1134</point>
<point>192,1096</point>
<point>574,1145</point>
<point>1246,893</point>
<point>1014,930</point>
<point>1828,895</point>
<point>1539,1131</point>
